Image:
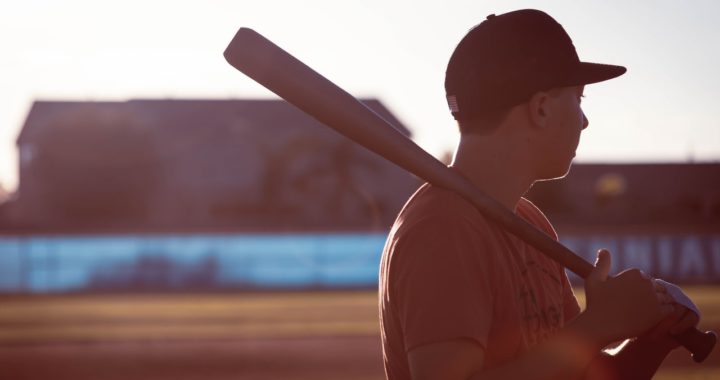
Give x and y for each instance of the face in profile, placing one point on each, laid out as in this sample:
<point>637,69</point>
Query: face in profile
<point>561,135</point>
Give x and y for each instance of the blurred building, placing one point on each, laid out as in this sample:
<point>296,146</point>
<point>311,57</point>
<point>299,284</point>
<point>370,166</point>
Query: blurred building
<point>188,165</point>
<point>682,196</point>
<point>663,218</point>
<point>237,194</point>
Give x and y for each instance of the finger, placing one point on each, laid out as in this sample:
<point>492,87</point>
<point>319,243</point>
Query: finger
<point>664,326</point>
<point>662,329</point>
<point>602,266</point>
<point>667,309</point>
<point>674,317</point>
<point>687,320</point>
<point>660,288</point>
<point>665,298</point>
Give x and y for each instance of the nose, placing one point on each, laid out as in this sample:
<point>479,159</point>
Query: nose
<point>585,121</point>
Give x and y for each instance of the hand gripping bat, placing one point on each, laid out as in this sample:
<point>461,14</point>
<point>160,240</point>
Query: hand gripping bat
<point>286,76</point>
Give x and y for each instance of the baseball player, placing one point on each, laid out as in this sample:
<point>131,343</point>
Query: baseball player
<point>460,298</point>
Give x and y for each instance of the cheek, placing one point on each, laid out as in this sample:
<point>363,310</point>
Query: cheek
<point>570,128</point>
<point>577,118</point>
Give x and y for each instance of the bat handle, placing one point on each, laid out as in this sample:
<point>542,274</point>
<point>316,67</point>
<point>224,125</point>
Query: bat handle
<point>700,344</point>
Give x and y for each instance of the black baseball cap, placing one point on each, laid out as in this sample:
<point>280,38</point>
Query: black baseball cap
<point>507,58</point>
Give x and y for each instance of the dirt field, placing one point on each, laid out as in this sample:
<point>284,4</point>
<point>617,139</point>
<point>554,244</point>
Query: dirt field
<point>322,335</point>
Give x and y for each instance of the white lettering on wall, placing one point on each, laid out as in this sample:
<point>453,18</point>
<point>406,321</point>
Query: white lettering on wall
<point>692,262</point>
<point>715,248</point>
<point>637,253</point>
<point>677,258</point>
<point>664,251</point>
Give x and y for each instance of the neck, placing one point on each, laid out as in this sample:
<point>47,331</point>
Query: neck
<point>495,168</point>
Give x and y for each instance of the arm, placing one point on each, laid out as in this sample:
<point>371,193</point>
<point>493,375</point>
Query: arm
<point>640,358</point>
<point>618,307</point>
<point>564,356</point>
<point>636,359</point>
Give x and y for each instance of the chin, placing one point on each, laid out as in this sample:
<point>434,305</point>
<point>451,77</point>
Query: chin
<point>556,173</point>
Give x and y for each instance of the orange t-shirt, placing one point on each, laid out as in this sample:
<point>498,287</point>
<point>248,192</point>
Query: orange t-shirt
<point>447,272</point>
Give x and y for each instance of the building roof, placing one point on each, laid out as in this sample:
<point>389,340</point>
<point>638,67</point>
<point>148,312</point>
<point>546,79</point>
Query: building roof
<point>244,164</point>
<point>187,114</point>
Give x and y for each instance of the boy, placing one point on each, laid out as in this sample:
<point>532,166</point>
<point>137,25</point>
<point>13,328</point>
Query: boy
<point>461,298</point>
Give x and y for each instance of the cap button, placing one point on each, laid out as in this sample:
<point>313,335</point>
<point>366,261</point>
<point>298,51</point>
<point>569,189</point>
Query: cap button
<point>490,16</point>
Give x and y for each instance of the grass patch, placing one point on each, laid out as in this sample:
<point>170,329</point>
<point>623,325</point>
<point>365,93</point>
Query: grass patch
<point>130,317</point>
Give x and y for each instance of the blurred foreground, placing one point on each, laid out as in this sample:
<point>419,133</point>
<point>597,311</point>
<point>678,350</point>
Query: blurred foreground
<point>263,335</point>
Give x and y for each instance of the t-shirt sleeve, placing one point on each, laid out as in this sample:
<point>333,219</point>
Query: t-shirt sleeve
<point>571,307</point>
<point>442,286</point>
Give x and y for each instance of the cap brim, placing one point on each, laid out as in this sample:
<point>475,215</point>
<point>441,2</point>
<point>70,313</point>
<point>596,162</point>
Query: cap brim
<point>588,73</point>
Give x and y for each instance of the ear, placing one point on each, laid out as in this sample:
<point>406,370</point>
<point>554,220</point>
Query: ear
<point>538,108</point>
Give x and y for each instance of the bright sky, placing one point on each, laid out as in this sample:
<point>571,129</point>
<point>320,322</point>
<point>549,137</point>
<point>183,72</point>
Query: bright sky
<point>664,109</point>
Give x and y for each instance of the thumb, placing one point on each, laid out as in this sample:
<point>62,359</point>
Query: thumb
<point>602,267</point>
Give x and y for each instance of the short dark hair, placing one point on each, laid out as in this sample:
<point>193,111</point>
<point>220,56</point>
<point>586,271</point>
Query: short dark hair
<point>488,120</point>
<point>483,123</point>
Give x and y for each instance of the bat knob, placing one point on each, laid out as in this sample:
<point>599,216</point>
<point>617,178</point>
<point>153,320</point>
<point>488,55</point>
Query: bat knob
<point>700,344</point>
<point>709,344</point>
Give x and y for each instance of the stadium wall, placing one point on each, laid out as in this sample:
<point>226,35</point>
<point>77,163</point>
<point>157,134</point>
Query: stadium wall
<point>78,263</point>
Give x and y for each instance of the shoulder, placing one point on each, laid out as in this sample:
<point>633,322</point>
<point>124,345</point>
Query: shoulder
<point>441,210</point>
<point>531,213</point>
<point>439,226</point>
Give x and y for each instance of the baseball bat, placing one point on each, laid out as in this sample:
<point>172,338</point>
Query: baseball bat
<point>292,80</point>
